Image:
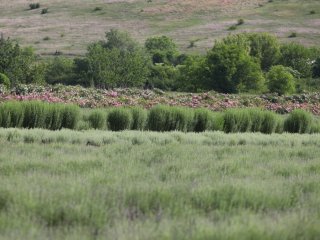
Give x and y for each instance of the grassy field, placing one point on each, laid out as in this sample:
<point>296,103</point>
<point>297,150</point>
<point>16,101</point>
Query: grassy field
<point>146,185</point>
<point>70,25</point>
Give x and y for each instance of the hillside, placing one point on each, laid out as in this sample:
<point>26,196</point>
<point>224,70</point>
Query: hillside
<point>70,25</point>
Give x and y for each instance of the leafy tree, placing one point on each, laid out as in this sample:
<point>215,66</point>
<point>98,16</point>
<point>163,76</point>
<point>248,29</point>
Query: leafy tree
<point>4,80</point>
<point>231,70</point>
<point>298,57</point>
<point>16,62</point>
<point>60,70</point>
<point>164,76</point>
<point>262,46</point>
<point>281,80</point>
<point>115,64</point>
<point>162,49</point>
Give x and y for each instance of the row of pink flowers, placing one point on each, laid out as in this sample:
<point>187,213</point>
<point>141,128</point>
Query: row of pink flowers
<point>97,98</point>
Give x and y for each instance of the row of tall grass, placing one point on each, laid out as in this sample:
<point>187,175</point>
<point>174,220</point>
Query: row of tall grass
<point>35,114</point>
<point>159,118</point>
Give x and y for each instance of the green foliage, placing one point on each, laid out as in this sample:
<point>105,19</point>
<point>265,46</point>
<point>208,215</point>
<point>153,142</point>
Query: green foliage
<point>298,57</point>
<point>34,114</point>
<point>237,120</point>
<point>54,116</point>
<point>271,123</point>
<point>44,11</point>
<point>164,76</point>
<point>4,80</point>
<point>280,80</point>
<point>11,115</point>
<point>97,119</point>
<point>164,118</point>
<point>162,49</point>
<point>115,67</point>
<point>34,6</point>
<point>316,68</point>
<point>60,70</point>
<point>71,114</point>
<point>16,62</point>
<point>231,70</point>
<point>203,120</point>
<point>299,121</point>
<point>139,118</point>
<point>119,119</point>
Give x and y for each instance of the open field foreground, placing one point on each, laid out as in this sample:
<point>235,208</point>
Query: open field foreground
<point>146,185</point>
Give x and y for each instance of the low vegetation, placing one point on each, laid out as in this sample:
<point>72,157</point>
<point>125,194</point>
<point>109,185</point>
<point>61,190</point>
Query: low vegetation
<point>148,185</point>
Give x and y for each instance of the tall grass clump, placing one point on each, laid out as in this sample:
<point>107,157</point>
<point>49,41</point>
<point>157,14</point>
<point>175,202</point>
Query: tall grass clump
<point>271,121</point>
<point>34,114</point>
<point>11,115</point>
<point>299,121</point>
<point>203,119</point>
<point>54,116</point>
<point>237,120</point>
<point>97,119</point>
<point>139,118</point>
<point>119,119</point>
<point>165,118</point>
<point>71,115</point>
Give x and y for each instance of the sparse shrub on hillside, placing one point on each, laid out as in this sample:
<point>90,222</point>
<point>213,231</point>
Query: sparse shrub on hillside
<point>97,119</point>
<point>34,6</point>
<point>44,11</point>
<point>233,27</point>
<point>299,121</point>
<point>139,118</point>
<point>293,35</point>
<point>240,21</point>
<point>119,119</point>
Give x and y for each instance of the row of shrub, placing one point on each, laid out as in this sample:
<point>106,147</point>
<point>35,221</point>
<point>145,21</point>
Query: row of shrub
<point>35,114</point>
<point>165,118</point>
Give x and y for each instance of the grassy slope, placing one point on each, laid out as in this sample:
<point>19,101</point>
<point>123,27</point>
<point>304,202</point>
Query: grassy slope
<point>135,185</point>
<point>71,25</point>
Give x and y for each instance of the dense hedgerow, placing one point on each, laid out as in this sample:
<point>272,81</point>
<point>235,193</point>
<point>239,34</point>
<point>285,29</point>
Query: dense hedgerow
<point>157,119</point>
<point>97,119</point>
<point>299,121</point>
<point>119,119</point>
<point>11,115</point>
<point>139,118</point>
<point>71,114</point>
<point>270,122</point>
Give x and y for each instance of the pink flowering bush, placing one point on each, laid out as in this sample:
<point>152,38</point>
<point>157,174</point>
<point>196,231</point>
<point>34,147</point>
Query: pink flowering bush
<point>97,98</point>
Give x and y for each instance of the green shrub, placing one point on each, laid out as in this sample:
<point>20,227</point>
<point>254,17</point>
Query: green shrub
<point>54,116</point>
<point>203,120</point>
<point>237,120</point>
<point>218,121</point>
<point>280,125</point>
<point>270,122</point>
<point>71,115</point>
<point>97,119</point>
<point>257,118</point>
<point>4,80</point>
<point>280,80</point>
<point>299,121</point>
<point>119,119</point>
<point>315,127</point>
<point>14,113</point>
<point>34,114</point>
<point>44,11</point>
<point>158,118</point>
<point>139,118</point>
<point>34,6</point>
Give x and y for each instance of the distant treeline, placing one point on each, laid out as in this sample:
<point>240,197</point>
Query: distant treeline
<point>246,62</point>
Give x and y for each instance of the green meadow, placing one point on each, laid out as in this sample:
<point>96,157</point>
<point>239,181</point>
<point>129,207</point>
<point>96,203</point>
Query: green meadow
<point>148,185</point>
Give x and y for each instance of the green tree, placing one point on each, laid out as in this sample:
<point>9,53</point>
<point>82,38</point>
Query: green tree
<point>16,62</point>
<point>162,49</point>
<point>262,46</point>
<point>298,57</point>
<point>60,70</point>
<point>280,80</point>
<point>109,64</point>
<point>231,69</point>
